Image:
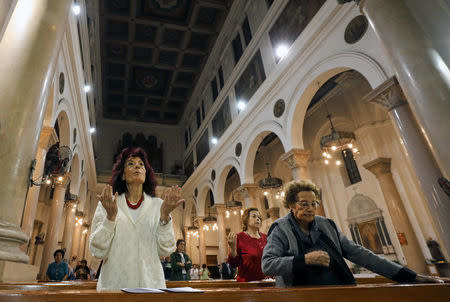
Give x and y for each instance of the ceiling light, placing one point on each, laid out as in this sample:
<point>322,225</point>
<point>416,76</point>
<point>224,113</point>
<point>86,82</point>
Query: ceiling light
<point>214,141</point>
<point>241,105</point>
<point>281,51</point>
<point>92,130</point>
<point>76,8</point>
<point>60,178</point>
<point>338,163</point>
<point>87,88</point>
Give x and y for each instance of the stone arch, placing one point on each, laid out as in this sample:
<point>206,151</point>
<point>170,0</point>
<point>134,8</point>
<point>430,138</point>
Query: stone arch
<point>189,207</point>
<point>362,208</point>
<point>228,164</point>
<point>201,199</point>
<point>64,117</point>
<point>319,74</point>
<point>258,134</point>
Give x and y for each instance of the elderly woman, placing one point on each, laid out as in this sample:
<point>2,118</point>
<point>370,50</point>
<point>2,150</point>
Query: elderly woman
<point>246,248</point>
<point>132,228</point>
<point>305,249</point>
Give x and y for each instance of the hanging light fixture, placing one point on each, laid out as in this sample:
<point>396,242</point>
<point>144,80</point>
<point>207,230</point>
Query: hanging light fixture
<point>270,182</point>
<point>337,141</point>
<point>210,222</point>
<point>232,206</point>
<point>192,232</point>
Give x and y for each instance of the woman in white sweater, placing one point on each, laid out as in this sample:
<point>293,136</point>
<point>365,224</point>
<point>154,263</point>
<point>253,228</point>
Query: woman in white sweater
<point>132,228</point>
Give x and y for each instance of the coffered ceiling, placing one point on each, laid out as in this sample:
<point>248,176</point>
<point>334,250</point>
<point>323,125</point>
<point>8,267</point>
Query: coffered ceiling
<point>152,53</point>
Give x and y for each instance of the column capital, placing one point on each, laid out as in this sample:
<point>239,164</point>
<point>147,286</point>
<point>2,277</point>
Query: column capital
<point>388,95</point>
<point>48,137</point>
<point>248,190</point>
<point>296,158</point>
<point>221,208</point>
<point>379,166</point>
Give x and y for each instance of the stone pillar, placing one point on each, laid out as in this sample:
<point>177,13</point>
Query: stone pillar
<point>223,246</point>
<point>28,50</point>
<point>47,139</point>
<point>54,223</point>
<point>250,197</point>
<point>420,70</point>
<point>76,235</point>
<point>381,168</point>
<point>389,96</point>
<point>201,242</point>
<point>69,227</point>
<point>82,245</point>
<point>187,238</point>
<point>297,160</point>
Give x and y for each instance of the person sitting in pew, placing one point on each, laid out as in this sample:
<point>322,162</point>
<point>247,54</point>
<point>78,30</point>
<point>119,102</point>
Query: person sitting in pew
<point>58,270</point>
<point>307,249</point>
<point>83,272</point>
<point>132,228</point>
<point>180,263</point>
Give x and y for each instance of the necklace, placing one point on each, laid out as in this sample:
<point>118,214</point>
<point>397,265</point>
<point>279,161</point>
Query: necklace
<point>135,206</point>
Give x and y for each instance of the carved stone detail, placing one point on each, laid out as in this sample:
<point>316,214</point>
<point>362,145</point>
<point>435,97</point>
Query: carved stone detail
<point>296,158</point>
<point>379,166</point>
<point>388,95</point>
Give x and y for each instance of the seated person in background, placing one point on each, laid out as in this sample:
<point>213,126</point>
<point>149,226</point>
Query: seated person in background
<point>180,263</point>
<point>246,248</point>
<point>204,272</point>
<point>195,272</point>
<point>58,270</point>
<point>305,249</point>
<point>82,272</point>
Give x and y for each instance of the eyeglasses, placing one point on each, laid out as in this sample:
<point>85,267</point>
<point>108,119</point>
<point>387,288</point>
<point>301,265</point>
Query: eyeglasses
<point>305,204</point>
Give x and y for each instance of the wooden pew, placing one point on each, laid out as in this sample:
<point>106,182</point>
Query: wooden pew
<point>366,293</point>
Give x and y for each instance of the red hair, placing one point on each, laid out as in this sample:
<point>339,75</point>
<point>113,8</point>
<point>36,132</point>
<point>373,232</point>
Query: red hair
<point>119,185</point>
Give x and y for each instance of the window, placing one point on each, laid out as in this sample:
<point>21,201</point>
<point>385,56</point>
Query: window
<point>237,48</point>
<point>203,110</point>
<point>221,81</point>
<point>215,92</point>
<point>350,165</point>
<point>247,32</point>
<point>202,148</point>
<point>186,139</point>
<point>199,120</point>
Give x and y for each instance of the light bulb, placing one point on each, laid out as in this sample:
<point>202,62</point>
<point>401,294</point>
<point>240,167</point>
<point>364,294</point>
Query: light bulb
<point>328,156</point>
<point>266,193</point>
<point>326,162</point>
<point>350,146</point>
<point>235,212</point>
<point>281,51</point>
<point>214,141</point>
<point>324,154</point>
<point>76,9</point>
<point>338,163</point>
<point>60,178</point>
<point>242,212</point>
<point>48,181</point>
<point>355,150</point>
<point>241,105</point>
<point>333,148</point>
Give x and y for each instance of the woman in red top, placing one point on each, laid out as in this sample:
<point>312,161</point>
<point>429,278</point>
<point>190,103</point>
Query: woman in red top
<point>246,248</point>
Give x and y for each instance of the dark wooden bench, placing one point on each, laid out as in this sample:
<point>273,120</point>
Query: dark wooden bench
<point>365,293</point>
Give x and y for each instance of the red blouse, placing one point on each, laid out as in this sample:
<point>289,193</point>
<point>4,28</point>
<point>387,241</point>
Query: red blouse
<point>248,258</point>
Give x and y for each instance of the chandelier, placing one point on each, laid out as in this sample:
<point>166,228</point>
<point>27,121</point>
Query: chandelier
<point>233,206</point>
<point>210,222</point>
<point>337,141</point>
<point>271,184</point>
<point>192,231</point>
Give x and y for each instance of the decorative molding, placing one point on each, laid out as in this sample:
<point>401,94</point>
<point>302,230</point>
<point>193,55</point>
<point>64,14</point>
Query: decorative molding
<point>379,166</point>
<point>296,158</point>
<point>388,95</point>
<point>48,137</point>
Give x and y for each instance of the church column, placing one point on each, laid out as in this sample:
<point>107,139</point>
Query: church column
<point>223,247</point>
<point>249,192</point>
<point>48,138</point>
<point>381,168</point>
<point>297,161</point>
<point>54,223</point>
<point>201,242</point>
<point>82,245</point>
<point>69,226</point>
<point>389,95</point>
<point>187,238</point>
<point>76,235</point>
<point>28,50</point>
<point>420,70</point>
